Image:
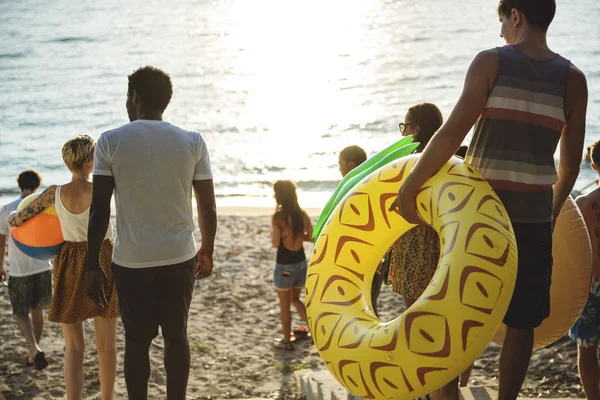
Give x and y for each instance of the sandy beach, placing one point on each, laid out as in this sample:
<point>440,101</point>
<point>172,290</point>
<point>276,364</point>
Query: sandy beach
<point>233,322</point>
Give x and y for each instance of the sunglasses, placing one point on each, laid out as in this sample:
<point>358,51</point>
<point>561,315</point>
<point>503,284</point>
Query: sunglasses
<point>402,126</point>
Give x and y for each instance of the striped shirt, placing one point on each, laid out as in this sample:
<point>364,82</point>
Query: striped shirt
<point>516,136</point>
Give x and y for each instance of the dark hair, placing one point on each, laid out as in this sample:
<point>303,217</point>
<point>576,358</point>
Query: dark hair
<point>539,13</point>
<point>288,209</point>
<point>428,118</point>
<point>29,180</point>
<point>593,153</point>
<point>153,86</point>
<point>353,154</point>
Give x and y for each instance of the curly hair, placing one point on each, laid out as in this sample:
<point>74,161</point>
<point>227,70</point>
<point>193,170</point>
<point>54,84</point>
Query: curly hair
<point>539,13</point>
<point>77,151</point>
<point>29,180</point>
<point>153,86</point>
<point>593,153</point>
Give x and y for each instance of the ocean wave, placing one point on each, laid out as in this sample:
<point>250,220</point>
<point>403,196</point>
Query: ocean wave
<point>72,39</point>
<point>307,185</point>
<point>9,192</point>
<point>13,55</point>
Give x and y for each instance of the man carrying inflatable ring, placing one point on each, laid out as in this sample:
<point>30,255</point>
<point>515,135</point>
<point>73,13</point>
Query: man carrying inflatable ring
<point>523,99</point>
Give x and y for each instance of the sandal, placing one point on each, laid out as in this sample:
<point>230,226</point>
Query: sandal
<point>301,333</point>
<point>283,345</point>
<point>40,361</point>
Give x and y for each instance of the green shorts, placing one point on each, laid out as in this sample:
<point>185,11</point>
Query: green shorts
<point>27,292</point>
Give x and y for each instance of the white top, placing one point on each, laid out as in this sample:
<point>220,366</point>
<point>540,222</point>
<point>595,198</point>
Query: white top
<point>19,264</point>
<point>153,164</point>
<point>74,227</point>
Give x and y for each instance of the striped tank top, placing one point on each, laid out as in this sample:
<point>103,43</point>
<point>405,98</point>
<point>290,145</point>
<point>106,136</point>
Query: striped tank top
<point>516,136</point>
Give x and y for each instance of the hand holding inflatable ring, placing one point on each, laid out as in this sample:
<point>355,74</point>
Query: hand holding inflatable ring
<point>455,318</point>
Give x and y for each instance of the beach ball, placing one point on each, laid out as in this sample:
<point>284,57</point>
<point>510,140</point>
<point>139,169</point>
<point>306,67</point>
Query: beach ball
<point>40,237</point>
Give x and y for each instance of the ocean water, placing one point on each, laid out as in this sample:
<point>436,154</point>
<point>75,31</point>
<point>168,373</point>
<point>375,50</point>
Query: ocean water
<point>277,88</point>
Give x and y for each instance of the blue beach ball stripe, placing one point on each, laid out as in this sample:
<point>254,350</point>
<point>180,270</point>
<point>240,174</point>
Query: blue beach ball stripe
<point>40,253</point>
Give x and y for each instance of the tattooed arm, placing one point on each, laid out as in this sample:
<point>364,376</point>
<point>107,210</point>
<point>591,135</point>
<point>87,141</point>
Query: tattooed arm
<point>37,206</point>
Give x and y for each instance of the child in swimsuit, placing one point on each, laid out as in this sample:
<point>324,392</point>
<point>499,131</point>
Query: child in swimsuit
<point>291,227</point>
<point>586,331</point>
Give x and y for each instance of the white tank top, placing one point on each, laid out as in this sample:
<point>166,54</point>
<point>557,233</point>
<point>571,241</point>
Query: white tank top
<point>74,227</point>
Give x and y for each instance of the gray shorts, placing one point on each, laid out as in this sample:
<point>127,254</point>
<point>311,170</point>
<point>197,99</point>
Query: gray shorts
<point>27,292</point>
<point>287,276</point>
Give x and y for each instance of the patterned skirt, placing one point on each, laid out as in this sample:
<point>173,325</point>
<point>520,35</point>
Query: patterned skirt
<point>414,259</point>
<point>70,302</point>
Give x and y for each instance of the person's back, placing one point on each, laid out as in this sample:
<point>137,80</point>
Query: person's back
<point>586,331</point>
<point>153,164</point>
<point>517,134</point>
<point>29,286</point>
<point>522,99</point>
<point>290,227</point>
<point>72,204</point>
<point>290,241</point>
<point>589,205</point>
<point>152,167</point>
<point>76,197</point>
<point>70,304</point>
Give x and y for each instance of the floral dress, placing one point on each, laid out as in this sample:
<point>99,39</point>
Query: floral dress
<point>414,259</point>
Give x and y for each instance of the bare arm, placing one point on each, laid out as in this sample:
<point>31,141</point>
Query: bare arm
<point>2,254</point>
<point>591,214</point>
<point>572,138</point>
<point>448,138</point>
<point>275,232</point>
<point>102,191</point>
<point>207,213</point>
<point>37,206</point>
<point>308,231</point>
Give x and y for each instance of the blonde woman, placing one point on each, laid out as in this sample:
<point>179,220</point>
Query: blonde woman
<point>70,303</point>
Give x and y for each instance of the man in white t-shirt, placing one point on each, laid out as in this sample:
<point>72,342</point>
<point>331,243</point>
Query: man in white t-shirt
<point>152,166</point>
<point>30,283</point>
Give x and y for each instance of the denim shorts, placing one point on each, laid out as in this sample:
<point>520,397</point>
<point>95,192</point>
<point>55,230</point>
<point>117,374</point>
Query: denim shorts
<point>287,276</point>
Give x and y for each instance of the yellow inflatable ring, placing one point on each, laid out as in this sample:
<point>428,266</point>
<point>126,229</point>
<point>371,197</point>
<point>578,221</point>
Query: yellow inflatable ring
<point>455,318</point>
<point>571,277</point>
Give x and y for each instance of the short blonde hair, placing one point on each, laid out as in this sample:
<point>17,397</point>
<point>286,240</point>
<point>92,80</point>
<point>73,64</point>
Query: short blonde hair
<point>76,151</point>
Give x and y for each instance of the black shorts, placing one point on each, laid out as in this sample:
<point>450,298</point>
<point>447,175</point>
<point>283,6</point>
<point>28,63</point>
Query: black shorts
<point>530,303</point>
<point>32,291</point>
<point>153,297</point>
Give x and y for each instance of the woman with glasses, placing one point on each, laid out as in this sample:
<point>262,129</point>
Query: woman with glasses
<point>414,257</point>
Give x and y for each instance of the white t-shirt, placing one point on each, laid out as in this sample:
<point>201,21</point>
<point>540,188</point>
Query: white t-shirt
<point>153,164</point>
<point>19,264</point>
